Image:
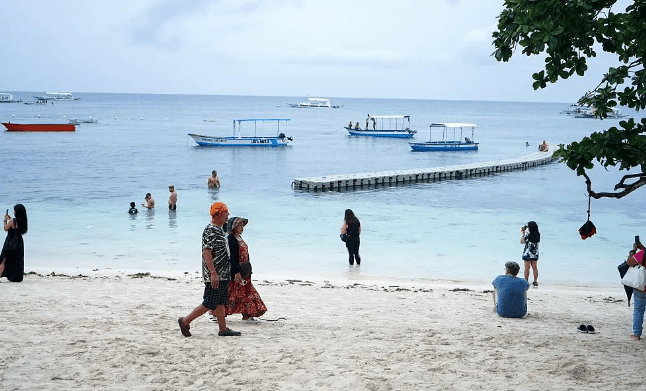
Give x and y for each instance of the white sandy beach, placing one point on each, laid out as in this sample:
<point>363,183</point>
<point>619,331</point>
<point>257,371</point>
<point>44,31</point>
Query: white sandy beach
<point>114,331</point>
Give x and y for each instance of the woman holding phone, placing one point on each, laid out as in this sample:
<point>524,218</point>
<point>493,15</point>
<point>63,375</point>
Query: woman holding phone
<point>12,257</point>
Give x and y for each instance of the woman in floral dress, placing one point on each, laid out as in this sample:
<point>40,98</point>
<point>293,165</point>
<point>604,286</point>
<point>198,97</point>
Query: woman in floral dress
<point>243,298</point>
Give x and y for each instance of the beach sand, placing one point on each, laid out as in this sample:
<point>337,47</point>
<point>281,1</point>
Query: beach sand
<point>111,330</point>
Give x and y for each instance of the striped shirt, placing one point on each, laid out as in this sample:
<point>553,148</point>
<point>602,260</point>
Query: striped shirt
<point>213,238</point>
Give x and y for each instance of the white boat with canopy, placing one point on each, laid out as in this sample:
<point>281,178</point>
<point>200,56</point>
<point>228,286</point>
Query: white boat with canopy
<point>450,141</point>
<point>6,97</point>
<point>237,140</point>
<point>315,103</point>
<point>59,96</point>
<point>393,126</point>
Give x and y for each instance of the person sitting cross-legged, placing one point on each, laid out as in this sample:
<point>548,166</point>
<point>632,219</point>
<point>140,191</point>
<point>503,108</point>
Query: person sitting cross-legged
<point>511,291</point>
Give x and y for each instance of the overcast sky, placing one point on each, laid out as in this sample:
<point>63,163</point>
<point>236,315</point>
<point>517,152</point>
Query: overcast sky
<point>418,49</point>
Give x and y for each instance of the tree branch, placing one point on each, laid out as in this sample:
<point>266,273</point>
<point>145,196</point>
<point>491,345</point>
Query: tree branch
<point>627,188</point>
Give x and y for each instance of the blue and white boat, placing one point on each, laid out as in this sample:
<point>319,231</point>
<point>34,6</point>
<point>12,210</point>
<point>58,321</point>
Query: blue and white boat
<point>394,126</point>
<point>448,143</point>
<point>237,140</point>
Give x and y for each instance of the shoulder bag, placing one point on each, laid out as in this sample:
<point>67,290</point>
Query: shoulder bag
<point>635,277</point>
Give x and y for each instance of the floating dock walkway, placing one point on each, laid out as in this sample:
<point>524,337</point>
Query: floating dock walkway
<point>386,178</point>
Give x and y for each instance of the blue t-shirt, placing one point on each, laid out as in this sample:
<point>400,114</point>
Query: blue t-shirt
<point>512,297</point>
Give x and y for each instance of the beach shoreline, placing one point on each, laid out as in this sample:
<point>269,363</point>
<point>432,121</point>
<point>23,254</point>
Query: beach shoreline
<point>118,330</point>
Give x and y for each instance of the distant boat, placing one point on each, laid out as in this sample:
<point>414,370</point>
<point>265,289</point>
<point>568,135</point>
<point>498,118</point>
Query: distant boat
<point>448,143</point>
<point>590,113</point>
<point>60,96</point>
<point>39,101</point>
<point>237,140</point>
<point>83,121</point>
<point>11,127</point>
<point>6,97</point>
<point>315,103</point>
<point>392,126</point>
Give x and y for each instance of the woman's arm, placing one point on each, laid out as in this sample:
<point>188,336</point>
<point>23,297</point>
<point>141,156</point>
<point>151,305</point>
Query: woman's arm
<point>234,249</point>
<point>522,238</point>
<point>344,228</point>
<point>8,223</point>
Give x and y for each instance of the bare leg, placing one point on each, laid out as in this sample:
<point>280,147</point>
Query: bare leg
<point>2,267</point>
<point>535,270</point>
<point>527,265</point>
<point>222,320</point>
<point>196,313</point>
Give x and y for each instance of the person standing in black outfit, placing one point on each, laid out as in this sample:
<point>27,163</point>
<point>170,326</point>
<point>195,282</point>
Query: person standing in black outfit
<point>352,228</point>
<point>12,257</point>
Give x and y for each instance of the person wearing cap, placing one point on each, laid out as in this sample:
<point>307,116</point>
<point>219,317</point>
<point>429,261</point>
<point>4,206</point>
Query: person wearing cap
<point>149,202</point>
<point>216,273</point>
<point>172,199</point>
<point>512,293</point>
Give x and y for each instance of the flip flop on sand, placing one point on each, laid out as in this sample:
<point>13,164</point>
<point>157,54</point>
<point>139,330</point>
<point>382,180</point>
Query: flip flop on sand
<point>184,329</point>
<point>590,329</point>
<point>636,337</point>
<point>229,333</point>
<point>582,329</point>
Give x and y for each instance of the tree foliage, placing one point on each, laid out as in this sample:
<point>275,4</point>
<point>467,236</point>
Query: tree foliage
<point>570,32</point>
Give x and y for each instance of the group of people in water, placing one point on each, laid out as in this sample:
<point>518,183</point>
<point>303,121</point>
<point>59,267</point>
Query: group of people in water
<point>149,202</point>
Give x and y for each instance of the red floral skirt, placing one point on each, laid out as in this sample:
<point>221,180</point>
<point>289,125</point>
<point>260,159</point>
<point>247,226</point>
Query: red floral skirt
<point>245,300</point>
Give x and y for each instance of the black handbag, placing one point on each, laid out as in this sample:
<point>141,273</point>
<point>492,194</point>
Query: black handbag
<point>245,270</point>
<point>344,237</point>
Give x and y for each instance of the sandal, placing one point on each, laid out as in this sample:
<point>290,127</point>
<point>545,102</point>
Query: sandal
<point>229,333</point>
<point>184,329</point>
<point>636,337</point>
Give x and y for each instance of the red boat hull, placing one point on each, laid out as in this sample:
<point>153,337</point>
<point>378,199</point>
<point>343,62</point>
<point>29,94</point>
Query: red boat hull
<point>39,127</point>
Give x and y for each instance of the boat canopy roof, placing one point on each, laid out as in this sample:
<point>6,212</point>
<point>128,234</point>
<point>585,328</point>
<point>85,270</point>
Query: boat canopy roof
<point>390,116</point>
<point>319,100</point>
<point>261,119</point>
<point>454,125</point>
<point>59,93</point>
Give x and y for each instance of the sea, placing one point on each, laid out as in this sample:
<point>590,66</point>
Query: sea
<point>77,188</point>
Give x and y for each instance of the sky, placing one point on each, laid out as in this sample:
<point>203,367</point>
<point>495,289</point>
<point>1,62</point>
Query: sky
<point>404,49</point>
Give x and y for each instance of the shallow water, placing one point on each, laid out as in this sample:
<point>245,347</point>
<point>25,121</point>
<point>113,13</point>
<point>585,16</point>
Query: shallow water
<point>77,188</point>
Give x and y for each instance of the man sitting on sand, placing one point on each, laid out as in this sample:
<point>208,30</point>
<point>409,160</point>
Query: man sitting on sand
<point>512,293</point>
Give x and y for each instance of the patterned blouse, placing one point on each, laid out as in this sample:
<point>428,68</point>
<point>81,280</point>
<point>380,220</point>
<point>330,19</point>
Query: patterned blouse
<point>214,239</point>
<point>530,253</point>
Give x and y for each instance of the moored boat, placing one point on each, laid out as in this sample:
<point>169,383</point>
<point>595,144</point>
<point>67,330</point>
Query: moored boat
<point>237,140</point>
<point>6,97</point>
<point>448,143</point>
<point>392,126</point>
<point>60,96</point>
<point>12,127</point>
<point>315,103</point>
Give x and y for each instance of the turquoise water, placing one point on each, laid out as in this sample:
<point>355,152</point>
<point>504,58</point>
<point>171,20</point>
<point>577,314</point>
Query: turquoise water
<point>77,188</point>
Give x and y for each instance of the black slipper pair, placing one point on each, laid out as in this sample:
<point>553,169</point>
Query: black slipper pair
<point>589,329</point>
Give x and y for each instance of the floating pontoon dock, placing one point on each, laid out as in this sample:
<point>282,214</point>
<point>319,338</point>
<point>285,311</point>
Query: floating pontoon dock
<point>385,178</point>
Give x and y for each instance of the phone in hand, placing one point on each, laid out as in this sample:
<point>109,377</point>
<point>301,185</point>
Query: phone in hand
<point>637,239</point>
<point>6,213</point>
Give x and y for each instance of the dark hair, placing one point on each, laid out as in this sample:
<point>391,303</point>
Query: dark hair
<point>512,267</point>
<point>132,204</point>
<point>349,216</point>
<point>534,236</point>
<point>21,218</point>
